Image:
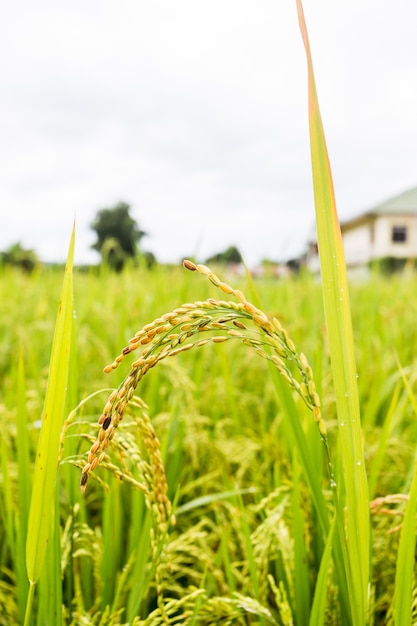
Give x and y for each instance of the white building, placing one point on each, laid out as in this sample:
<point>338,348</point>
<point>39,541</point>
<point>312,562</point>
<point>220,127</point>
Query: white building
<point>387,231</point>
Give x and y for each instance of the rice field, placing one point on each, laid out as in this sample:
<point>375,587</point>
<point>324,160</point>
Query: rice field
<point>214,501</point>
<point>197,448</point>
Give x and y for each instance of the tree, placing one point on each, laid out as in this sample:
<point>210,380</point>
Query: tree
<point>17,256</point>
<point>231,255</point>
<point>117,224</point>
<point>112,254</point>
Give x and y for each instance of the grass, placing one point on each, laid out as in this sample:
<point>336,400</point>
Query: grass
<point>251,535</point>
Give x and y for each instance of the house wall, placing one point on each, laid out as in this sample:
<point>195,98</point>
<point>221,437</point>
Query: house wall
<point>358,243</point>
<point>370,238</point>
<point>384,246</point>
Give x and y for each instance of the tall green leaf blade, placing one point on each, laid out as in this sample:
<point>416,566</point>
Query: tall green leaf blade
<point>317,614</point>
<point>404,574</point>
<point>339,326</point>
<point>46,464</point>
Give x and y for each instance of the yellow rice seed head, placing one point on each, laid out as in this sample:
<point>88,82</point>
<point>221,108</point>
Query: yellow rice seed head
<point>304,390</point>
<point>94,463</point>
<point>202,342</point>
<point>286,377</point>
<point>261,353</point>
<point>101,418</point>
<point>290,344</point>
<point>279,349</point>
<point>225,287</point>
<point>108,369</point>
<point>316,399</point>
<point>316,414</point>
<point>248,306</point>
<point>189,265</point>
<point>122,406</point>
<point>181,349</point>
<point>203,269</point>
<point>119,358</point>
<point>151,333</point>
<point>239,295</point>
<point>145,340</point>
<point>134,340</point>
<point>101,435</point>
<point>311,387</point>
<point>303,360</point>
<point>90,457</point>
<point>277,361</point>
<point>86,468</point>
<point>219,339</point>
<point>173,520</point>
<point>101,457</point>
<point>122,391</point>
<point>161,329</point>
<point>186,327</point>
<point>277,325</point>
<point>145,368</point>
<point>217,325</point>
<point>94,447</point>
<point>138,363</point>
<point>322,428</point>
<point>113,395</point>
<point>148,327</point>
<point>239,324</point>
<point>267,326</point>
<point>259,318</point>
<point>152,360</point>
<point>235,333</point>
<point>109,438</point>
<point>213,279</point>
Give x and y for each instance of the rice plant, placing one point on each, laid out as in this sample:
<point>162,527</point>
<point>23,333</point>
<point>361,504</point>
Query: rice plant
<point>248,482</point>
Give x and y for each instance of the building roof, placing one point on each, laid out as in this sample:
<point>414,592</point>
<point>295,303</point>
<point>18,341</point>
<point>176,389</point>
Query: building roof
<point>403,203</point>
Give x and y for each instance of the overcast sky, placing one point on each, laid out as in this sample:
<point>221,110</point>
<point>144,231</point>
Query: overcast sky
<point>195,113</point>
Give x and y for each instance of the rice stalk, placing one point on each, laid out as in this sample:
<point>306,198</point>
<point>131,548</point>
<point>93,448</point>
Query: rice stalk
<point>170,335</point>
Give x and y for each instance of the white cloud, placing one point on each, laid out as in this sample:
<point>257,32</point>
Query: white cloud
<point>196,114</point>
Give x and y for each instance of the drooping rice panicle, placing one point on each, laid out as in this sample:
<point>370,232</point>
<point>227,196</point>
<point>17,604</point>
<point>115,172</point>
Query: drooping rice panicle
<point>180,330</point>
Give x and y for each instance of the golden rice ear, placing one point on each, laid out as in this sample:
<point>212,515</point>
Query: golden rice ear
<point>177,331</point>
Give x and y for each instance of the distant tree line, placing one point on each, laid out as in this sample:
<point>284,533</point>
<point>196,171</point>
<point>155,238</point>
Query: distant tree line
<point>118,241</point>
<point>119,237</point>
<point>18,256</point>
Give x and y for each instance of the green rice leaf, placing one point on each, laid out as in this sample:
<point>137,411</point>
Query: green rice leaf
<point>320,592</point>
<point>46,465</point>
<point>339,327</point>
<point>404,574</point>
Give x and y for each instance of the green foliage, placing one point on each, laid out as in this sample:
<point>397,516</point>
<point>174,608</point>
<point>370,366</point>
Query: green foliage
<point>249,543</point>
<point>17,256</point>
<point>118,235</point>
<point>230,255</point>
